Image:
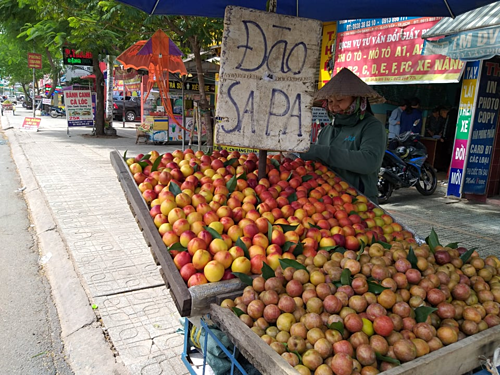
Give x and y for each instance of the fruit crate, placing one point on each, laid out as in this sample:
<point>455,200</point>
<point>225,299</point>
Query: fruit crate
<point>192,301</point>
<point>455,359</point>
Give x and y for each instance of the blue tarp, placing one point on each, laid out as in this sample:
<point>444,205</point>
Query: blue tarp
<point>324,10</point>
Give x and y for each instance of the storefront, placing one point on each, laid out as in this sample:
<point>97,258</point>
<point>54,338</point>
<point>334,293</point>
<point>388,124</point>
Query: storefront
<point>386,53</point>
<point>475,38</point>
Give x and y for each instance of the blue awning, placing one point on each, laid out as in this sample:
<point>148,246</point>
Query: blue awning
<point>324,10</point>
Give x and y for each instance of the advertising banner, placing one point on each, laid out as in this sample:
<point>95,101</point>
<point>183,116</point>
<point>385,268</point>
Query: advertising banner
<point>31,124</point>
<point>391,53</point>
<point>78,108</point>
<point>327,53</point>
<point>484,129</point>
<point>466,110</point>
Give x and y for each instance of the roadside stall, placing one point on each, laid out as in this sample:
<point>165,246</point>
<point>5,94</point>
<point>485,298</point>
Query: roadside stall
<point>253,223</point>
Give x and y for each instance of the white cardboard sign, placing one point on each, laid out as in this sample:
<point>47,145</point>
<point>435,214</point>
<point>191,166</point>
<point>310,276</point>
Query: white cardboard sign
<point>269,63</point>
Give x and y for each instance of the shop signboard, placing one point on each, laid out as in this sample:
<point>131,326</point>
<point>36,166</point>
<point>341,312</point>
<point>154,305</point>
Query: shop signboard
<point>72,56</point>
<point>327,53</point>
<point>34,60</point>
<point>268,68</point>
<point>483,129</point>
<point>389,51</point>
<point>466,109</point>
<point>78,105</point>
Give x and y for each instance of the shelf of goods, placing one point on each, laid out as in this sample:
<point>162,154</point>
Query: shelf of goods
<point>458,356</point>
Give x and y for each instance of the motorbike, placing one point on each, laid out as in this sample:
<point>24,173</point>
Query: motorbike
<point>404,165</point>
<point>56,112</point>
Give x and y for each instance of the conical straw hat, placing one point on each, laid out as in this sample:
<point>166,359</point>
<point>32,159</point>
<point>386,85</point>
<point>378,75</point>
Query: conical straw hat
<point>346,83</point>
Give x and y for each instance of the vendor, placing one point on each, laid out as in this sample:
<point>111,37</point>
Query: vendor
<point>354,144</point>
<point>434,124</point>
<point>411,118</point>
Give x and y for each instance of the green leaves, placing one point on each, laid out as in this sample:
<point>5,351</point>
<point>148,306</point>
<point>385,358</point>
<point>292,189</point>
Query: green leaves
<point>156,164</point>
<point>292,197</point>
<point>314,226</point>
<point>380,357</point>
<point>146,157</point>
<point>269,231</point>
<point>337,326</point>
<point>229,162</point>
<point>422,312</point>
<point>345,277</point>
<point>231,184</point>
<point>299,249</point>
<point>287,245</point>
<point>329,248</point>
<point>453,245</point>
<point>241,244</point>
<point>289,177</point>
<point>242,176</point>
<point>276,163</point>
<point>375,288</point>
<point>361,250</point>
<point>177,247</point>
<point>143,164</point>
<point>432,240</point>
<point>125,155</point>
<point>267,271</point>
<point>306,178</point>
<point>174,188</point>
<point>237,311</point>
<point>412,258</point>
<point>212,232</point>
<point>245,279</point>
<point>285,263</point>
<point>385,245</point>
<point>287,228</point>
<point>466,256</point>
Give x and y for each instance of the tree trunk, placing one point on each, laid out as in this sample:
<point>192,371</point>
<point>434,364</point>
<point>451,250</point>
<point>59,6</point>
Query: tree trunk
<point>54,73</point>
<point>203,103</point>
<point>99,83</point>
<point>109,92</point>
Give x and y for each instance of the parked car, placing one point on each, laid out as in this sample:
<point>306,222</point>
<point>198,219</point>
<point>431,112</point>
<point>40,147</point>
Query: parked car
<point>132,108</point>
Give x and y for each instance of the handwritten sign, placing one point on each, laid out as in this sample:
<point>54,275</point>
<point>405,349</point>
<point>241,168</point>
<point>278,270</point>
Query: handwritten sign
<point>78,107</point>
<point>268,69</point>
<point>385,53</point>
<point>34,60</point>
<point>484,129</point>
<point>31,124</point>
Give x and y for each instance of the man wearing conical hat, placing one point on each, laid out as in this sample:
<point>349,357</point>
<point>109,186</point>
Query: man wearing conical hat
<point>354,144</point>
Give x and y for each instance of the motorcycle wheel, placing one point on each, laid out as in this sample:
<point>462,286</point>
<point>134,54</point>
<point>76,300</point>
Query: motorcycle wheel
<point>53,114</point>
<point>427,183</point>
<point>385,190</point>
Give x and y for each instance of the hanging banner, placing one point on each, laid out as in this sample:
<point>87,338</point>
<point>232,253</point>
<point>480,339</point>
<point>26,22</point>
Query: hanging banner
<point>390,53</point>
<point>466,111</point>
<point>484,129</point>
<point>467,45</point>
<point>327,54</point>
<point>78,105</point>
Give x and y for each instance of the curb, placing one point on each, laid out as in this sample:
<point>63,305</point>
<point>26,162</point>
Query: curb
<point>85,347</point>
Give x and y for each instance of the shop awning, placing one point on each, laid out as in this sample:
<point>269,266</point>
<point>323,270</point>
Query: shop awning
<point>474,35</point>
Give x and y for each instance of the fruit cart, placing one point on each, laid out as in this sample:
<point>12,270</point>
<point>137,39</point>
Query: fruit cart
<point>456,357</point>
<point>8,106</point>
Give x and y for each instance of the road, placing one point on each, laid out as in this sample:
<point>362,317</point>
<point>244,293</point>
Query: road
<point>29,325</point>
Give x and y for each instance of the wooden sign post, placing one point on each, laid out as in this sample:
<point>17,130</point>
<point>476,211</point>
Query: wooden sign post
<point>268,68</point>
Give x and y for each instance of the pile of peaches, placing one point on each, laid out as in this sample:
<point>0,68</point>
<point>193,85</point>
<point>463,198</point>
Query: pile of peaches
<point>217,218</point>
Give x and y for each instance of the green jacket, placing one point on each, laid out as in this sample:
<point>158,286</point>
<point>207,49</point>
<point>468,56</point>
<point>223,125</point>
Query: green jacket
<point>354,149</point>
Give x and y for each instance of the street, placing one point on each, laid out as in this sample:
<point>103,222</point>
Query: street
<point>29,327</point>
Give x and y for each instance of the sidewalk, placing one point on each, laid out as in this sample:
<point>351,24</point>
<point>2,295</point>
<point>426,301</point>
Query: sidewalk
<point>111,265</point>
